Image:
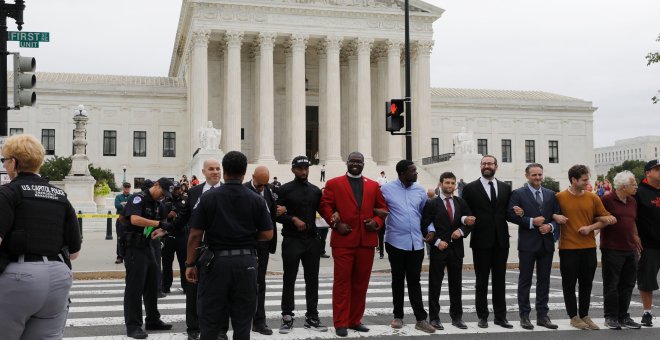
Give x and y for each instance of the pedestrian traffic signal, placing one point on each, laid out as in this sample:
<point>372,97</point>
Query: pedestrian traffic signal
<point>393,109</point>
<point>24,81</point>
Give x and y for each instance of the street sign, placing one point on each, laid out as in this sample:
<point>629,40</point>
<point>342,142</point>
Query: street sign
<point>28,37</point>
<point>29,44</point>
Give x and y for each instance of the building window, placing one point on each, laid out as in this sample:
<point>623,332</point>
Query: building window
<point>482,146</point>
<point>137,182</point>
<point>553,146</point>
<point>15,131</point>
<point>169,144</point>
<point>139,143</point>
<point>48,140</point>
<point>506,151</point>
<point>109,143</point>
<point>530,154</point>
<point>435,146</point>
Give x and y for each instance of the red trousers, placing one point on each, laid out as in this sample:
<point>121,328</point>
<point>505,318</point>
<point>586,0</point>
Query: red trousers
<point>349,291</point>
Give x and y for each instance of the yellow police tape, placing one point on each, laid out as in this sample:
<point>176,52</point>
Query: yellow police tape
<point>97,216</point>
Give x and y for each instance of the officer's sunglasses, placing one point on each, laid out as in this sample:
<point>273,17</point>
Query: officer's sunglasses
<point>2,160</point>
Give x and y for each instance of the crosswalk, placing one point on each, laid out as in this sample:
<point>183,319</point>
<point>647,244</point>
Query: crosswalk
<point>96,311</point>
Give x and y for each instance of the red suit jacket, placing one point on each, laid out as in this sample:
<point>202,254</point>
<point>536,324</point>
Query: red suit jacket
<point>338,196</point>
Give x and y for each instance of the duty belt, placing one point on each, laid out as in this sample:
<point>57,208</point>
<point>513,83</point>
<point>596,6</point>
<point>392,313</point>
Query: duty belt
<point>34,258</point>
<point>235,252</point>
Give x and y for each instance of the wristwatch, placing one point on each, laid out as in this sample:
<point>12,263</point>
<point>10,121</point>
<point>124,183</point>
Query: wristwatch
<point>190,265</point>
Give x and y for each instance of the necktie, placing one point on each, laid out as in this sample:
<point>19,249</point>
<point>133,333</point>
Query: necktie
<point>538,198</point>
<point>493,195</point>
<point>450,211</point>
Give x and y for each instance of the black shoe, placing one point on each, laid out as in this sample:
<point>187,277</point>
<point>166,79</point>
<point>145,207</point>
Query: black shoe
<point>158,326</point>
<point>503,323</point>
<point>166,290</point>
<point>193,335</point>
<point>629,323</point>
<point>647,320</point>
<point>262,329</point>
<point>137,334</point>
<point>223,336</point>
<point>525,323</point>
<point>483,323</point>
<point>161,295</point>
<point>544,321</point>
<point>119,260</point>
<point>437,324</point>
<point>315,324</point>
<point>341,331</point>
<point>325,256</point>
<point>612,323</point>
<point>360,328</point>
<point>458,323</point>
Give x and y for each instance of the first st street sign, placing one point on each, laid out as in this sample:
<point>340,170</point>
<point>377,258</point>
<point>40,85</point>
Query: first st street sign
<point>28,39</point>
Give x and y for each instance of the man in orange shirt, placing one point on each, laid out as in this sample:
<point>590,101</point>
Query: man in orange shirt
<point>582,213</point>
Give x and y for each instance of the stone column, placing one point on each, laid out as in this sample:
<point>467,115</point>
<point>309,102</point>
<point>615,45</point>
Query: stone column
<point>332,123</point>
<point>253,131</point>
<point>199,84</point>
<point>266,153</point>
<point>323,100</point>
<point>394,143</point>
<point>380,137</point>
<point>363,111</point>
<point>421,140</point>
<point>232,126</point>
<point>297,96</point>
<point>350,82</point>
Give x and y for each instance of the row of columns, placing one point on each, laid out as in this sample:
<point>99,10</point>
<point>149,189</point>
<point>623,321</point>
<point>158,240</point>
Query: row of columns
<point>329,51</point>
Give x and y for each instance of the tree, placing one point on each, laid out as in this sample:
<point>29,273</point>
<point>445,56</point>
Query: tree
<point>55,169</point>
<point>103,175</point>
<point>550,183</point>
<point>636,167</point>
<point>652,58</point>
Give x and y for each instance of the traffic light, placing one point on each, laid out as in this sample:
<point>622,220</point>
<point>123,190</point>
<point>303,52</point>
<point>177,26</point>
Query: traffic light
<point>393,109</point>
<point>24,81</point>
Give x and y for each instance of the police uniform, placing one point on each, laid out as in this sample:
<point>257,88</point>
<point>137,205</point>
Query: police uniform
<point>36,281</point>
<point>174,243</point>
<point>141,267</point>
<point>231,216</point>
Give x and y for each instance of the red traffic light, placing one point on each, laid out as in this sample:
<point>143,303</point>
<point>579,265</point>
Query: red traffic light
<point>394,109</point>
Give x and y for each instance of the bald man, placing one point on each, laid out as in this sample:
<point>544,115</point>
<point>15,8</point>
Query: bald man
<point>259,184</point>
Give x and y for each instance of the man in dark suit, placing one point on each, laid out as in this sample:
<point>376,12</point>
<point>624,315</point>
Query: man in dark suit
<point>451,219</point>
<point>259,184</point>
<point>488,198</point>
<point>531,208</point>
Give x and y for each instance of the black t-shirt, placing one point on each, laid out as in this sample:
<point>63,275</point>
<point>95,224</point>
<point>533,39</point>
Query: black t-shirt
<point>142,205</point>
<point>301,200</point>
<point>231,215</point>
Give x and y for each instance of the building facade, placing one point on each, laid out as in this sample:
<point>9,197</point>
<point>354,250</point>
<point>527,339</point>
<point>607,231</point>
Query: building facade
<point>644,148</point>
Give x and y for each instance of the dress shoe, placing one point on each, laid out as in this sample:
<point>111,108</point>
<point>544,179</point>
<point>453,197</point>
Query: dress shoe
<point>325,256</point>
<point>158,326</point>
<point>525,323</point>
<point>223,336</point>
<point>503,323</point>
<point>483,323</point>
<point>458,323</point>
<point>262,329</point>
<point>360,328</point>
<point>437,324</point>
<point>161,295</point>
<point>341,331</point>
<point>119,260</point>
<point>193,335</point>
<point>544,321</point>
<point>424,326</point>
<point>137,334</point>
<point>397,323</point>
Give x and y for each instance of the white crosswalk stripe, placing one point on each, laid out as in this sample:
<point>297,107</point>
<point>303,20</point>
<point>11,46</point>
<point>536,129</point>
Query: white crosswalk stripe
<point>97,308</point>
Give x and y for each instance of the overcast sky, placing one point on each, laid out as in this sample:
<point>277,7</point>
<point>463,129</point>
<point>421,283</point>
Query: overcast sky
<point>589,49</point>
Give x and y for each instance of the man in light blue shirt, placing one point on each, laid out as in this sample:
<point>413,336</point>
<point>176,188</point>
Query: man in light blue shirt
<point>404,241</point>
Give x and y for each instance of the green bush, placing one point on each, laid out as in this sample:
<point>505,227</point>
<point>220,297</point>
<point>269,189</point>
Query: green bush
<point>550,183</point>
<point>101,188</point>
<point>56,168</point>
<point>103,176</point>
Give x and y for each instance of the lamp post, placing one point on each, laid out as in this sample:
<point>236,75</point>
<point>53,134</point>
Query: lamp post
<point>124,168</point>
<point>15,11</point>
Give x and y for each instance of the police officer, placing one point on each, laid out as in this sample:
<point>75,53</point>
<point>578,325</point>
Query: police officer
<point>176,242</point>
<point>120,202</point>
<point>35,280</point>
<point>233,219</point>
<point>143,210</point>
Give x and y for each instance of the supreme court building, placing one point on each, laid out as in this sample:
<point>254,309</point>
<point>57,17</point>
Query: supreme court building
<point>281,78</point>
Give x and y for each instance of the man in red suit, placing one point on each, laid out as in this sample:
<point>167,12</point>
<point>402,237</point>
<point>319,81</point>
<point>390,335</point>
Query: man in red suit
<point>348,204</point>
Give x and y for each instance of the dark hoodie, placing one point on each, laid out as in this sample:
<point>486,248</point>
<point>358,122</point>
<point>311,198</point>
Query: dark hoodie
<point>648,215</point>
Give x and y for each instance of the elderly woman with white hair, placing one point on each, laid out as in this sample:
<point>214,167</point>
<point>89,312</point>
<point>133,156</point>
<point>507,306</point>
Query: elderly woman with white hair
<point>620,247</point>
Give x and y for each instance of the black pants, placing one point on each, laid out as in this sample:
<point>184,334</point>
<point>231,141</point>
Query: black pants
<point>381,241</point>
<point>295,251</point>
<point>577,266</point>
<point>141,283</point>
<point>228,291</point>
<point>323,236</point>
<point>454,264</point>
<point>263,256</point>
<point>157,248</point>
<point>406,266</point>
<point>119,228</point>
<point>619,276</point>
<point>543,261</point>
<point>489,261</point>
<point>173,245</point>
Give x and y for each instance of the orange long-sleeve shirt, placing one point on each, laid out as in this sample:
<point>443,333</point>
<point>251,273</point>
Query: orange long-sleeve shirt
<point>580,211</point>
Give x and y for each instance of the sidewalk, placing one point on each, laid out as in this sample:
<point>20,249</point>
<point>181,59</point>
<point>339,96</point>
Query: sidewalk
<point>97,257</point>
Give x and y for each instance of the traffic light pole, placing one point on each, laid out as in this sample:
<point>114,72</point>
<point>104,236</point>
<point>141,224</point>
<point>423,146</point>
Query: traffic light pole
<point>15,11</point>
<point>408,111</point>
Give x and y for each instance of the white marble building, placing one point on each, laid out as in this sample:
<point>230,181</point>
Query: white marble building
<point>287,77</point>
<point>643,148</point>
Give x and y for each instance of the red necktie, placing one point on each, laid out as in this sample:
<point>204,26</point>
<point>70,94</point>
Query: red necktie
<point>449,210</point>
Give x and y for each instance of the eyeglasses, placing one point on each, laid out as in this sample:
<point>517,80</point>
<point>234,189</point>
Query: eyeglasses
<point>487,164</point>
<point>2,160</point>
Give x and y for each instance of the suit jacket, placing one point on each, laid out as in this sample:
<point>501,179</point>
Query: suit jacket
<point>271,203</point>
<point>491,229</point>
<point>531,239</point>
<point>435,211</point>
<point>338,196</point>
<point>183,217</point>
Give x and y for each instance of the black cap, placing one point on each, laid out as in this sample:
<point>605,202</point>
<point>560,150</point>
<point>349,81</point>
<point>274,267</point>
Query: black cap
<point>167,186</point>
<point>177,185</point>
<point>652,164</point>
<point>126,185</point>
<point>300,161</point>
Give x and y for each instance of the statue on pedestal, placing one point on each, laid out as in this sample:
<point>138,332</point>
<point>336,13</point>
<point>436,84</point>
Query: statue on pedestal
<point>209,137</point>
